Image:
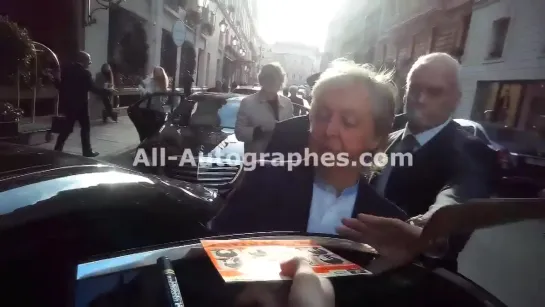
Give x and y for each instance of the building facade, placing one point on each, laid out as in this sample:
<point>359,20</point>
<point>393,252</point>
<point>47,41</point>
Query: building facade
<point>137,35</point>
<point>394,33</point>
<point>299,61</point>
<point>503,68</point>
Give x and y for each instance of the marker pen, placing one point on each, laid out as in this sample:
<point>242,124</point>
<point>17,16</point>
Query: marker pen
<point>171,283</point>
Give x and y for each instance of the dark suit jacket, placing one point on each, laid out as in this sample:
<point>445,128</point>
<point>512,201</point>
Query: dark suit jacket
<point>75,84</point>
<point>450,168</point>
<point>272,198</point>
<point>400,120</point>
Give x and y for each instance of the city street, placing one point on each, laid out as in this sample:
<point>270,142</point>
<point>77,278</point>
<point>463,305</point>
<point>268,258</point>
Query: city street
<point>111,140</point>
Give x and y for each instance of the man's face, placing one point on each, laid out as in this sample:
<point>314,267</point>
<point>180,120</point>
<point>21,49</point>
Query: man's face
<point>432,95</point>
<point>271,83</point>
<point>342,122</point>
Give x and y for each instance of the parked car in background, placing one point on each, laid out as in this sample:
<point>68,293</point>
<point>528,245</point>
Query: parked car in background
<point>247,89</point>
<point>522,166</point>
<point>206,132</point>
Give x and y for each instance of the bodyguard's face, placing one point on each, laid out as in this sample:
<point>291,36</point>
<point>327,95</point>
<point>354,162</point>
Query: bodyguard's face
<point>342,122</point>
<point>431,95</point>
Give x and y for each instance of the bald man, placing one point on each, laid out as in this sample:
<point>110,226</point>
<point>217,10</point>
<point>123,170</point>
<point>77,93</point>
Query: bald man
<point>75,84</point>
<point>447,163</point>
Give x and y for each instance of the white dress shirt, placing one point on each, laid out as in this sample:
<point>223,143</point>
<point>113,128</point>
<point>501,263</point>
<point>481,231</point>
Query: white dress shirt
<point>422,138</point>
<point>327,209</point>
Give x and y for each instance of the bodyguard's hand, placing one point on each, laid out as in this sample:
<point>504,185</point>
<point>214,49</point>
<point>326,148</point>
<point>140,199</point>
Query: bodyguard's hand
<point>394,239</point>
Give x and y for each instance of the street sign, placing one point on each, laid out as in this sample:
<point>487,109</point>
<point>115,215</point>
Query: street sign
<point>178,33</point>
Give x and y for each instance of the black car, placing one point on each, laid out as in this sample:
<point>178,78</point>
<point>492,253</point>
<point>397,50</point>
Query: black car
<point>56,208</point>
<point>203,128</point>
<point>76,232</point>
<point>521,162</point>
<point>135,277</point>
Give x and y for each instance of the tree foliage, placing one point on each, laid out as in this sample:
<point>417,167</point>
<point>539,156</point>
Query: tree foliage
<point>16,52</point>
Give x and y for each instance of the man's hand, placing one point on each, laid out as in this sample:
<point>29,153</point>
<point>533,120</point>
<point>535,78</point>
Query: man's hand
<point>392,238</point>
<point>419,220</point>
<point>307,289</point>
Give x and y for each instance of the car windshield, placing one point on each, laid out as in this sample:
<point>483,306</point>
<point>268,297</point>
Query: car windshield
<point>216,112</point>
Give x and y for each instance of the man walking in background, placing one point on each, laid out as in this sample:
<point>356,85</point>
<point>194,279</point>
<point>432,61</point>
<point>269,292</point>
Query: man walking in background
<point>75,84</point>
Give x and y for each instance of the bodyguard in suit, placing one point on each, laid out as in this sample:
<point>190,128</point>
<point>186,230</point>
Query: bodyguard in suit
<point>449,166</point>
<point>352,113</point>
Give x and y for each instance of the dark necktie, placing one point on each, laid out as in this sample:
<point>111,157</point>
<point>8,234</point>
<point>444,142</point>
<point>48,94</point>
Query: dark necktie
<point>407,144</point>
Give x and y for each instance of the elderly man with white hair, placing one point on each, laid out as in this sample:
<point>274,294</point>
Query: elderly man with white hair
<point>449,166</point>
<point>351,115</point>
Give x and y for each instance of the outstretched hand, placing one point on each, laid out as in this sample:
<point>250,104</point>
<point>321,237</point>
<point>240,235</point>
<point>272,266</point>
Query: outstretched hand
<point>307,289</point>
<point>392,238</point>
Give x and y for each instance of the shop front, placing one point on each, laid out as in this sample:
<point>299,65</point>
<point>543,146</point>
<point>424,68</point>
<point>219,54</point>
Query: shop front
<point>513,104</point>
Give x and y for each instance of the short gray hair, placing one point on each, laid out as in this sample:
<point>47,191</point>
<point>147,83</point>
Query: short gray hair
<point>272,69</point>
<point>382,89</point>
<point>438,57</point>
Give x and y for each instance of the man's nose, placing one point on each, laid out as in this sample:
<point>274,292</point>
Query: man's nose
<point>333,127</point>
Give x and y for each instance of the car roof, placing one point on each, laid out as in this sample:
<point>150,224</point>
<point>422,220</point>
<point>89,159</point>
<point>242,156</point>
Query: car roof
<point>20,159</point>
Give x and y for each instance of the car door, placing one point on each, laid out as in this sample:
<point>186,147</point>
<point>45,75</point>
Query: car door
<point>149,114</point>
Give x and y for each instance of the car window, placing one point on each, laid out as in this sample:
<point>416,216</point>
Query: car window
<point>514,140</point>
<point>228,113</point>
<point>216,112</point>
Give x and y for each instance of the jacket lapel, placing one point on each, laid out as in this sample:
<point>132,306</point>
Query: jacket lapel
<point>393,138</point>
<point>300,198</point>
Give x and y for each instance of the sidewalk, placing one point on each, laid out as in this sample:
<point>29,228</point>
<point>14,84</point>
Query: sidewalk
<point>109,139</point>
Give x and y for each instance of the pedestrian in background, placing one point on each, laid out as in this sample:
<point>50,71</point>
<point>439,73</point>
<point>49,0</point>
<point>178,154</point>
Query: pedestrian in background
<point>259,112</point>
<point>105,79</point>
<point>297,102</point>
<point>74,87</point>
<point>156,83</point>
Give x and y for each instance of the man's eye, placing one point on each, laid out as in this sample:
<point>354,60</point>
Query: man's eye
<point>350,121</point>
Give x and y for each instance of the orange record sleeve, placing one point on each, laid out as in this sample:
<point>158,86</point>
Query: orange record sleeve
<point>259,260</point>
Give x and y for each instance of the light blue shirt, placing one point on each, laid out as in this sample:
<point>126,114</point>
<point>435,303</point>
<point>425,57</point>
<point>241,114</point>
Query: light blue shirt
<point>327,209</point>
<point>422,138</point>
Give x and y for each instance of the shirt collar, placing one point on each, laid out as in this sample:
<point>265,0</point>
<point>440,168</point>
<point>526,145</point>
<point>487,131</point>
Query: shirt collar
<point>423,137</point>
<point>262,98</point>
<point>320,183</point>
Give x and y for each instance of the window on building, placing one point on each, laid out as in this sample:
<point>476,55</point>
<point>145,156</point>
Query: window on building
<point>500,28</point>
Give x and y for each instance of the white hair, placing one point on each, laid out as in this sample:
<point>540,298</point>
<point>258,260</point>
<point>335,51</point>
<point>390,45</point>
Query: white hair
<point>382,90</point>
<point>438,57</point>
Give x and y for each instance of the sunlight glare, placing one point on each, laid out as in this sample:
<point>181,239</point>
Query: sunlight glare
<point>303,21</point>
